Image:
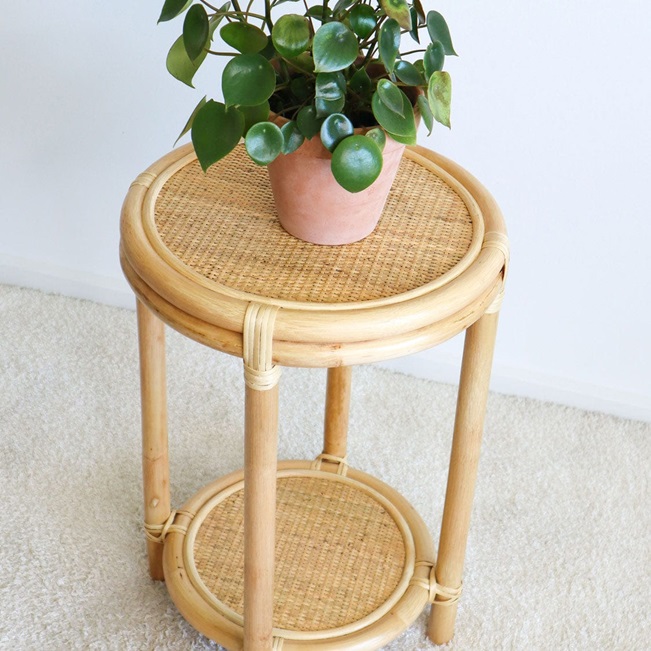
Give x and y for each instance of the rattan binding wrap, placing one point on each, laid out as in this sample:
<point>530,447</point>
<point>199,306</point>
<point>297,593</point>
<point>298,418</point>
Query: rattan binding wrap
<point>341,556</point>
<point>222,227</point>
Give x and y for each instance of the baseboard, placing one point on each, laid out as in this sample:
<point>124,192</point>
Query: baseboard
<point>443,367</point>
<point>439,365</point>
<point>55,279</point>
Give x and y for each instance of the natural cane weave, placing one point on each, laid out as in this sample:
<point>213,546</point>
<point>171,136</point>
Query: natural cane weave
<point>223,226</point>
<point>339,554</point>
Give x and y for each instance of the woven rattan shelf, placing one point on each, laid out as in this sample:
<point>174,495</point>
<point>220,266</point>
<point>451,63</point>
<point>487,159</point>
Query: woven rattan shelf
<point>354,564</point>
<point>350,559</point>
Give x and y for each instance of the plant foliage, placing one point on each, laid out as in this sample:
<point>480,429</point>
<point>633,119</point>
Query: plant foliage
<point>326,70</point>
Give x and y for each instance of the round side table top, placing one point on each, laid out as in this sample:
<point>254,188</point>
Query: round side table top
<point>199,249</point>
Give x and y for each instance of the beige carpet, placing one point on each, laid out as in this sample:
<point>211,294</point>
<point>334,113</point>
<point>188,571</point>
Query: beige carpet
<point>559,555</point>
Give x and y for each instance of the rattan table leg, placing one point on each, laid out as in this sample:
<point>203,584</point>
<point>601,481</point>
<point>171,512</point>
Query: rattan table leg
<point>337,411</point>
<point>468,429</point>
<point>155,464</point>
<point>260,461</point>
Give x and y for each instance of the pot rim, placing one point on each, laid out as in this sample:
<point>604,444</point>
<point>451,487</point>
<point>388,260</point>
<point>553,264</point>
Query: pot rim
<point>321,150</point>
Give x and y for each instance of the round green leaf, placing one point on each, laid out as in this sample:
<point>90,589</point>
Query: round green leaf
<point>244,37</point>
<point>179,64</point>
<point>307,122</point>
<point>389,43</point>
<point>363,20</point>
<point>390,121</point>
<point>439,31</point>
<point>413,32</point>
<point>334,129</point>
<point>334,47</point>
<point>378,136</point>
<point>433,58</point>
<point>269,51</point>
<point>326,107</point>
<point>172,8</point>
<point>361,83</point>
<point>303,61</point>
<point>216,130</point>
<point>408,74</point>
<point>425,112</point>
<point>390,95</point>
<point>356,163</point>
<point>405,140</point>
<point>254,114</point>
<point>319,12</point>
<point>291,35</point>
<point>188,124</point>
<point>330,85</point>
<point>439,95</point>
<point>330,91</point>
<point>196,31</point>
<point>418,7</point>
<point>399,11</point>
<point>341,6</point>
<point>263,142</point>
<point>248,80</point>
<point>292,137</point>
<point>217,18</point>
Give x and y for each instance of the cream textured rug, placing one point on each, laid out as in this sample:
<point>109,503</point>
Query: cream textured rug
<point>559,555</point>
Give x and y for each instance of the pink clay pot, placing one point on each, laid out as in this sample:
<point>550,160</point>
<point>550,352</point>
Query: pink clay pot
<point>312,206</point>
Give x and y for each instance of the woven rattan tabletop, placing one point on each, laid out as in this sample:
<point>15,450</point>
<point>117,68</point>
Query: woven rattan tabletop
<point>204,246</point>
<point>222,225</point>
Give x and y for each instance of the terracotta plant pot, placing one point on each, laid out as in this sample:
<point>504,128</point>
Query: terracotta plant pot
<point>312,206</point>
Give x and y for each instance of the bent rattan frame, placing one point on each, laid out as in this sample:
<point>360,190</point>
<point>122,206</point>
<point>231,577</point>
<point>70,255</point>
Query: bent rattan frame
<point>317,334</point>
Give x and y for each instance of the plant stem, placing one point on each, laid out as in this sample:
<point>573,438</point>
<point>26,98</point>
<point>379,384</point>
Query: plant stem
<point>373,43</point>
<point>210,6</point>
<point>409,31</point>
<point>413,52</point>
<point>267,15</point>
<point>307,9</point>
<point>369,53</point>
<point>293,65</point>
<point>238,14</point>
<point>284,71</point>
<point>290,108</point>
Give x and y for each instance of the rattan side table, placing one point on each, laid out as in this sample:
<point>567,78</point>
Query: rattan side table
<point>309,554</point>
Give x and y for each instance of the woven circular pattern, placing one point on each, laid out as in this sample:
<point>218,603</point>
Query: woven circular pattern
<point>339,554</point>
<point>222,225</point>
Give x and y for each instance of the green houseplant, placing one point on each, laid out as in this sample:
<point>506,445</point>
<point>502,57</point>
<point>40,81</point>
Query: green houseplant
<point>332,72</point>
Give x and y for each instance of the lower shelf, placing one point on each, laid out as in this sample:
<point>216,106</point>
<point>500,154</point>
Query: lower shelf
<point>351,559</point>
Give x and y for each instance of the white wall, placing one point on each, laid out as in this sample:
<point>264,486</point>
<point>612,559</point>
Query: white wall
<point>550,110</point>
